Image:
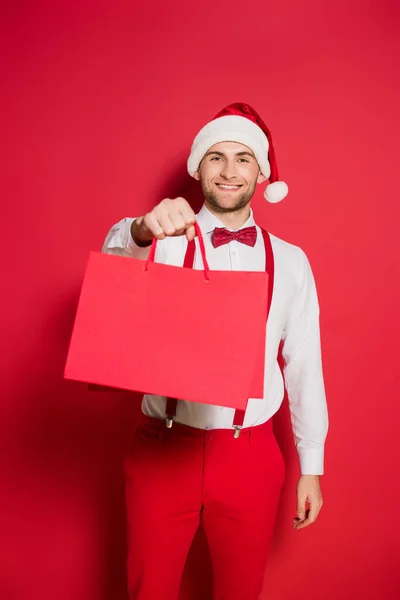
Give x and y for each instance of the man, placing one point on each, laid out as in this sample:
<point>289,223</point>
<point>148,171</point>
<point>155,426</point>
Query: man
<point>195,469</point>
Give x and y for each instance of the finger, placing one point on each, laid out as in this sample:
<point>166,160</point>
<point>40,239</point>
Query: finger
<point>190,233</point>
<point>166,224</point>
<point>314,508</point>
<point>301,523</point>
<point>301,507</point>
<point>151,223</point>
<point>311,517</point>
<point>297,522</point>
<point>304,523</point>
<point>187,213</point>
<point>178,222</point>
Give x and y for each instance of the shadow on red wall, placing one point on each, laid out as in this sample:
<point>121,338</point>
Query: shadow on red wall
<point>69,445</point>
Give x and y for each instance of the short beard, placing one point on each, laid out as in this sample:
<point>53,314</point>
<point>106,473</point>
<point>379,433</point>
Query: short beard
<point>242,201</point>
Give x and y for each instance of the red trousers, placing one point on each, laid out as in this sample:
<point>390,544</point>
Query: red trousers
<point>179,477</point>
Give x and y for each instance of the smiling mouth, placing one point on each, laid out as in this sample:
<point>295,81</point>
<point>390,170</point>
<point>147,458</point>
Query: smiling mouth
<point>229,188</point>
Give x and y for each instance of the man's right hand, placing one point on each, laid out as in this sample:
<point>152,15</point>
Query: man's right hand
<point>169,218</point>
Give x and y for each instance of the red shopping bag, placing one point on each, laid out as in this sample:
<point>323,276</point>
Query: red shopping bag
<point>169,331</point>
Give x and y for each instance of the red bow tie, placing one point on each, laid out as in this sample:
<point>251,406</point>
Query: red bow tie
<point>221,236</point>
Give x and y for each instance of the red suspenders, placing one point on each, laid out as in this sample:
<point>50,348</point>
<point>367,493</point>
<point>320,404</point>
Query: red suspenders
<point>238,419</point>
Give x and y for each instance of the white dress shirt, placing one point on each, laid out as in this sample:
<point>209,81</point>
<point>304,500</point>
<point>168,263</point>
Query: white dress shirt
<point>293,318</point>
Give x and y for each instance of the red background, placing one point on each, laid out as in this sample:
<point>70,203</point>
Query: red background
<point>100,103</point>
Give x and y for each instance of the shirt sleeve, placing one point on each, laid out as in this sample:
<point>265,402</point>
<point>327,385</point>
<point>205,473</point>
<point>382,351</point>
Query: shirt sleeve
<point>119,241</point>
<point>303,373</point>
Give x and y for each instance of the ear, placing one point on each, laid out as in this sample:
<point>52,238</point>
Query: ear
<point>261,177</point>
<point>196,176</point>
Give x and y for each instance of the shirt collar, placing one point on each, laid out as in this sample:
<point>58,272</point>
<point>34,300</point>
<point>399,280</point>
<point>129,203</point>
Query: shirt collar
<point>208,222</point>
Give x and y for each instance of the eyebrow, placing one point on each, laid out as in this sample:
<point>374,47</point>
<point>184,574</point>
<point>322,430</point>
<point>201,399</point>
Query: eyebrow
<point>237,154</point>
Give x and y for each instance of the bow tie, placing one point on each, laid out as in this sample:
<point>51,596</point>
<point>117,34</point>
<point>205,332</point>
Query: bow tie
<point>221,236</point>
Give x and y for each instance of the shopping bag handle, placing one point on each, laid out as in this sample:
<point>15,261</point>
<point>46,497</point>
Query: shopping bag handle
<point>152,253</point>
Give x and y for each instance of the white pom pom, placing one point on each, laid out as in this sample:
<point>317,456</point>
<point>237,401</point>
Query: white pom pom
<point>275,192</point>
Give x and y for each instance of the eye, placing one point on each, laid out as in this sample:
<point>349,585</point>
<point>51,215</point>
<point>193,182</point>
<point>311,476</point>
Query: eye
<point>243,160</point>
<point>216,158</point>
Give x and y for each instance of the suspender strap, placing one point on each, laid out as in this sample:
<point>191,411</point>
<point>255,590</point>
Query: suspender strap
<point>238,419</point>
<point>239,416</point>
<point>170,411</point>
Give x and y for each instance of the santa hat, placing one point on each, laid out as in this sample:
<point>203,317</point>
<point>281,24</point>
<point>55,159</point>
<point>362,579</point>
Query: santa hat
<point>239,122</point>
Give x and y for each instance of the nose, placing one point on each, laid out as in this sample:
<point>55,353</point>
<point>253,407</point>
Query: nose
<point>228,169</point>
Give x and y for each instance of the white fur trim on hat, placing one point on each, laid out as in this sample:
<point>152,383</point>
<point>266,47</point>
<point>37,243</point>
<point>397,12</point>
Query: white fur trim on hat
<point>230,128</point>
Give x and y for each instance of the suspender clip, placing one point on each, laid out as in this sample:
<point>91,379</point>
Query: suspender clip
<point>169,421</point>
<point>236,432</point>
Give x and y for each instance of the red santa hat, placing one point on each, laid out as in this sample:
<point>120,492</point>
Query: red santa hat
<point>239,122</point>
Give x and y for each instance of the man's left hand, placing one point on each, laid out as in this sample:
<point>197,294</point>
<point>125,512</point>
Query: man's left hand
<point>309,500</point>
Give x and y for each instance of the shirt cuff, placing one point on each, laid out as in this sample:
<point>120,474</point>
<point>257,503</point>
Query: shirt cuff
<point>311,461</point>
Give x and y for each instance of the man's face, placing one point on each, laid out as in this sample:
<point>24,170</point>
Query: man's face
<point>228,174</point>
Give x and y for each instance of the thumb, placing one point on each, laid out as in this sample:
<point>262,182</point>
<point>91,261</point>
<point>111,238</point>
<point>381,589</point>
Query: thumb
<point>301,508</point>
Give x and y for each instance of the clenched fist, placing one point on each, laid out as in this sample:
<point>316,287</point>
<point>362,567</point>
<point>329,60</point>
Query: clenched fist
<point>169,218</point>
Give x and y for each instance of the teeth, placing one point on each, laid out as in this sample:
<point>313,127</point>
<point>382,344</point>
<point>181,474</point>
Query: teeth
<point>229,187</point>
